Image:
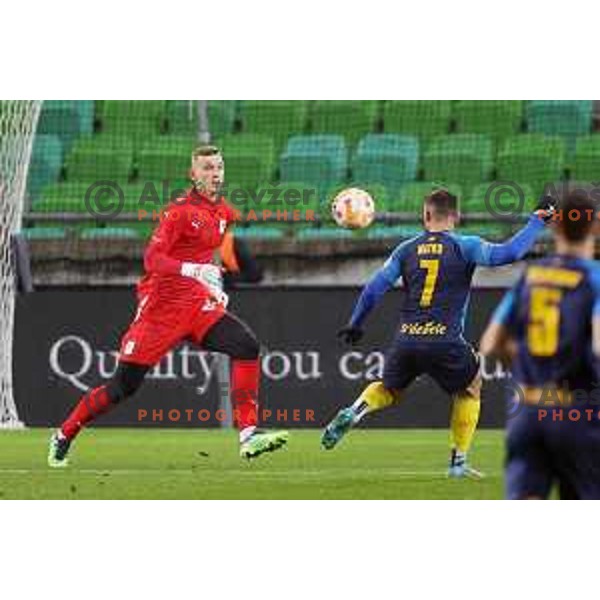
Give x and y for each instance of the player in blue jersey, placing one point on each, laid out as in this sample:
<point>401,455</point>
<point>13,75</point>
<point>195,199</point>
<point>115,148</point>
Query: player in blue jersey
<point>548,327</point>
<point>436,268</point>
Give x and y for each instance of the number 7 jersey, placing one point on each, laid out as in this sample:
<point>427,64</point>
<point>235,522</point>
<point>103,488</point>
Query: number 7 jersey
<point>437,270</point>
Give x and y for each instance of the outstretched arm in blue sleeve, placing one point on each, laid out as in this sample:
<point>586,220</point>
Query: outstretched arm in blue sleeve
<point>485,253</point>
<point>378,285</point>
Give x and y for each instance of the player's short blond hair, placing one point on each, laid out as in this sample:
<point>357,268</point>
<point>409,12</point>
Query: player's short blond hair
<point>205,150</point>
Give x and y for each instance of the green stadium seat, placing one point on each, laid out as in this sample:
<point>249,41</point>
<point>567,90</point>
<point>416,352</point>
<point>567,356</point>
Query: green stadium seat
<point>382,232</point>
<point>135,119</point>
<point>279,119</point>
<point>181,117</point>
<point>145,229</point>
<point>376,232</point>
<point>57,194</point>
<point>87,116</point>
<point>145,205</point>
<point>263,231</point>
<point>462,158</point>
<point>144,226</point>
<point>153,195</point>
<point>423,118</point>
<point>222,116</point>
<point>165,158</point>
<point>69,203</point>
<point>488,230</point>
<point>290,197</point>
<point>325,233</point>
<point>100,233</point>
<point>65,204</point>
<point>351,118</point>
<point>389,159</point>
<point>507,200</point>
<point>532,159</point>
<point>497,118</point>
<point>249,158</point>
<point>327,197</point>
<point>411,196</point>
<point>146,200</point>
<point>586,167</point>
<point>100,157</point>
<point>318,160</point>
<point>66,118</point>
<point>239,196</point>
<point>70,198</point>
<point>566,118</point>
<point>46,162</point>
<point>39,232</point>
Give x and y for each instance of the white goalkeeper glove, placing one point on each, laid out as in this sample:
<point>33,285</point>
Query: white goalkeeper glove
<point>210,277</point>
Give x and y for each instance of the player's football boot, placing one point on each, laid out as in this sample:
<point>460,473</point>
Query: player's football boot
<point>263,441</point>
<point>58,450</point>
<point>459,469</point>
<point>337,429</point>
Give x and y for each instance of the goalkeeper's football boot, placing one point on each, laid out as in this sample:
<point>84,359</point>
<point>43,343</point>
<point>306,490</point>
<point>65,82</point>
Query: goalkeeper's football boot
<point>263,441</point>
<point>58,450</point>
<point>459,469</point>
<point>338,428</point>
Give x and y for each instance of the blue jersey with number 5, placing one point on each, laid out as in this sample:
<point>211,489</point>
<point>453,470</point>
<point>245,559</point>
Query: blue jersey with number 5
<point>549,314</point>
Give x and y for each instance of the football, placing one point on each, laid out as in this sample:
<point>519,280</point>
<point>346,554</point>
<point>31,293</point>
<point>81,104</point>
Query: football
<point>353,208</point>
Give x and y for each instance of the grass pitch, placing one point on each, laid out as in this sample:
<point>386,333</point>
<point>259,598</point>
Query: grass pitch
<point>203,464</point>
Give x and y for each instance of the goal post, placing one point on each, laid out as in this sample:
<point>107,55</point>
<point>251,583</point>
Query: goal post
<point>18,122</point>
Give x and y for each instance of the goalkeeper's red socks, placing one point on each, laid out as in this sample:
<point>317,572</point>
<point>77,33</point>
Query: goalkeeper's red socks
<point>245,375</point>
<point>92,404</point>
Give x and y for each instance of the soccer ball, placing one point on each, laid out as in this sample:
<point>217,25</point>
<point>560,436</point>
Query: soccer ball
<point>353,209</point>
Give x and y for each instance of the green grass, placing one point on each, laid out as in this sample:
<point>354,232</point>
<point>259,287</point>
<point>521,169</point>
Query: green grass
<point>142,463</point>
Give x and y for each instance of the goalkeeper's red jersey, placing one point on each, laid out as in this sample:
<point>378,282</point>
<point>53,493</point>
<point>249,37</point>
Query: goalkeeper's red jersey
<point>191,229</point>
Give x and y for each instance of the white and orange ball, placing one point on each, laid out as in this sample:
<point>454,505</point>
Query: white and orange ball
<point>353,208</point>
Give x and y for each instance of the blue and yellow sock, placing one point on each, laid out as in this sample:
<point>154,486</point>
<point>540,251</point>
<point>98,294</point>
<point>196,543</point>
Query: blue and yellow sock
<point>374,397</point>
<point>463,421</point>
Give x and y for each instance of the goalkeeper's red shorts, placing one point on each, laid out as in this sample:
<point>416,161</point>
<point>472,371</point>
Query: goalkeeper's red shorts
<point>153,334</point>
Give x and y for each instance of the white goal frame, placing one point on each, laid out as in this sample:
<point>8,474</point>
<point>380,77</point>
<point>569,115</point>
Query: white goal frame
<point>18,124</point>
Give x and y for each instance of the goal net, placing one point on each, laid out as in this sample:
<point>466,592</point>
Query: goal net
<point>18,121</point>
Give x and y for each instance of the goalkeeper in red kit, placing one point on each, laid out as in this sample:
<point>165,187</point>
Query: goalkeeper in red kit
<point>181,298</point>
